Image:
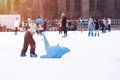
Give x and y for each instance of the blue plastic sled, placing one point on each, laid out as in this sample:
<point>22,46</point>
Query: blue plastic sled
<point>53,51</point>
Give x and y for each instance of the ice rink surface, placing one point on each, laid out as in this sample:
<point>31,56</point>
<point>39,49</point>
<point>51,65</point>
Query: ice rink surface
<point>90,58</point>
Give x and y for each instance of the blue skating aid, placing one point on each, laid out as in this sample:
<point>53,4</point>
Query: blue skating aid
<point>53,51</point>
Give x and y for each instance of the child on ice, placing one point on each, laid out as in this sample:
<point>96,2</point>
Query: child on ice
<point>28,39</point>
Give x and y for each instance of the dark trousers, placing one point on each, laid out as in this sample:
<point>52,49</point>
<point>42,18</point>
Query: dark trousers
<point>28,40</point>
<point>65,31</point>
<point>109,27</point>
<point>16,29</point>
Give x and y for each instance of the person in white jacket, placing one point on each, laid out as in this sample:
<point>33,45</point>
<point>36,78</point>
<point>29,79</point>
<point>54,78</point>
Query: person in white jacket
<point>109,24</point>
<point>16,25</point>
<point>28,39</point>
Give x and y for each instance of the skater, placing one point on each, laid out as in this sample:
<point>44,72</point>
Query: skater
<point>90,26</point>
<point>60,28</point>
<point>64,28</point>
<point>109,24</point>
<point>28,39</point>
<point>96,27</point>
<point>104,25</point>
<point>16,25</point>
<point>81,24</point>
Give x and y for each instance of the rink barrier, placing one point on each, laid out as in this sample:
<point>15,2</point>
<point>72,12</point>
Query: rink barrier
<point>115,25</point>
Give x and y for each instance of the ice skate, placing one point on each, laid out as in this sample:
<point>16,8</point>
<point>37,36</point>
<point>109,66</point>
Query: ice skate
<point>33,55</point>
<point>23,55</point>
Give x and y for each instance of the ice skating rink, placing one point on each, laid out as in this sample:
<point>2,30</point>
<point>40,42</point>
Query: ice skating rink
<point>90,58</point>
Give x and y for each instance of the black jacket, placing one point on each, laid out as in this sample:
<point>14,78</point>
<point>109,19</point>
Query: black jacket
<point>64,23</point>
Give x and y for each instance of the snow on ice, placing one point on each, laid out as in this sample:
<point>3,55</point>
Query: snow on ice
<point>90,58</point>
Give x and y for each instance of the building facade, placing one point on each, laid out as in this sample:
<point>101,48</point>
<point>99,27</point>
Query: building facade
<point>51,9</point>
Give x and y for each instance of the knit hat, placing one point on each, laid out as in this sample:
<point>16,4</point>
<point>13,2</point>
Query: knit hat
<point>40,21</point>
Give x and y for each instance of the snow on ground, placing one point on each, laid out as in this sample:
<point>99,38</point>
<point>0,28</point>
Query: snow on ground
<point>90,58</point>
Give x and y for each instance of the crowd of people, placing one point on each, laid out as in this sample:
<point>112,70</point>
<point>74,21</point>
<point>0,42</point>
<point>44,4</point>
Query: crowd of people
<point>96,24</point>
<point>62,25</point>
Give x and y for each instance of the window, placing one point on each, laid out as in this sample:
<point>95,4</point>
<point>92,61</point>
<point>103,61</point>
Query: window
<point>8,5</point>
<point>100,5</point>
<point>115,5</point>
<point>16,3</point>
<point>1,4</point>
<point>77,6</point>
<point>67,5</point>
<point>92,5</point>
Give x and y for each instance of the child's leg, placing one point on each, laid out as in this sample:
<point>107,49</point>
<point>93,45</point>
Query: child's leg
<point>32,45</point>
<point>32,50</point>
<point>25,47</point>
<point>26,43</point>
<point>29,40</point>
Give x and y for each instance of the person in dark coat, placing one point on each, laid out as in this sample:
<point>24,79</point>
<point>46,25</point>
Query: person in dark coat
<point>96,27</point>
<point>64,28</point>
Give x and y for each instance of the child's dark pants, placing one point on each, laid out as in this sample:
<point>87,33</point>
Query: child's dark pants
<point>28,39</point>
